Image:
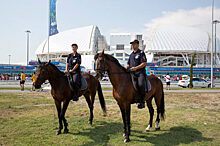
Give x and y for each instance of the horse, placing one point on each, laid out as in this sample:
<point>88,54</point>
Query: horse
<point>124,92</point>
<point>62,93</point>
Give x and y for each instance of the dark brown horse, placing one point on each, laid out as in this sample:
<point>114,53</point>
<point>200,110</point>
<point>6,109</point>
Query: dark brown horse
<point>124,91</point>
<point>62,92</point>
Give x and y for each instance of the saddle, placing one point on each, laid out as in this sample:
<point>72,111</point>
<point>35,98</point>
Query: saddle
<point>134,82</point>
<point>84,83</point>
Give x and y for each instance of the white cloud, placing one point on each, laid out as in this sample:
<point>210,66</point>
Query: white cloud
<point>199,17</point>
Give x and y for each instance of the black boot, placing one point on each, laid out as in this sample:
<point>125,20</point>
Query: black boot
<point>76,95</point>
<point>142,103</point>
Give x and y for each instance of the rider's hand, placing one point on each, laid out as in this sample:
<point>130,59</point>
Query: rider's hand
<point>65,71</point>
<point>71,70</point>
<point>133,69</point>
<point>126,67</point>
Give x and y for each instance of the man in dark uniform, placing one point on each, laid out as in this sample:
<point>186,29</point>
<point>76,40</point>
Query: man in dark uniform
<point>73,64</point>
<point>137,63</point>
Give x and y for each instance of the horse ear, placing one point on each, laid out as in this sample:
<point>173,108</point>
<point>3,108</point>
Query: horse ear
<point>39,61</point>
<point>48,62</point>
<point>101,54</point>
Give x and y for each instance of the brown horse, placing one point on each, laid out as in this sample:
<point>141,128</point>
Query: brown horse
<point>124,91</point>
<point>62,92</point>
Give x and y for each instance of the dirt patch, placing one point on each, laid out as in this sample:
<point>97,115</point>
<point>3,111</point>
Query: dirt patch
<point>37,105</point>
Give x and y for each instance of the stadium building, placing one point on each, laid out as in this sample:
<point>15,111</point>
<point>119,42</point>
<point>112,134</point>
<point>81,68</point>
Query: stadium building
<point>172,45</point>
<point>88,39</point>
<point>120,46</point>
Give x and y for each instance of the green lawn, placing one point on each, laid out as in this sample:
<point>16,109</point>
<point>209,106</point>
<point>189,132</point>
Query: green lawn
<point>14,88</point>
<point>31,119</point>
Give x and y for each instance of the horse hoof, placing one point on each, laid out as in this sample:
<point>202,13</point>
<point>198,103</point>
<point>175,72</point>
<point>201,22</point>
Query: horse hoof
<point>148,128</point>
<point>66,131</point>
<point>90,123</point>
<point>157,128</point>
<point>58,132</point>
<point>124,134</point>
<point>104,114</point>
<point>126,140</point>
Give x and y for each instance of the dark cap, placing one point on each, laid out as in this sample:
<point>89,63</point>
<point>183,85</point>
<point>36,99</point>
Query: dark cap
<point>135,41</point>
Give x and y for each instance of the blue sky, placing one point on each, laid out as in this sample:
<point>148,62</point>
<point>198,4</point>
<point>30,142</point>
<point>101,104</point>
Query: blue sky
<point>109,15</point>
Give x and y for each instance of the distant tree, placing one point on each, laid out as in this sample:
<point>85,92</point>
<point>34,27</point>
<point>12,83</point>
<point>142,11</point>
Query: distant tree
<point>191,71</point>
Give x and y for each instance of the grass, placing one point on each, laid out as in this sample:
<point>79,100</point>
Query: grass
<point>30,119</point>
<point>14,88</point>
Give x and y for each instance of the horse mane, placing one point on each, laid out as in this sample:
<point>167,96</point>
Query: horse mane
<point>112,59</point>
<point>57,70</point>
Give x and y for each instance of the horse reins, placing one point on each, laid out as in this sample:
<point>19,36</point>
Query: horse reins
<point>103,70</point>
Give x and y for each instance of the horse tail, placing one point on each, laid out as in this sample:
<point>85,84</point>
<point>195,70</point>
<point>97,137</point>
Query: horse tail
<point>101,98</point>
<point>162,106</point>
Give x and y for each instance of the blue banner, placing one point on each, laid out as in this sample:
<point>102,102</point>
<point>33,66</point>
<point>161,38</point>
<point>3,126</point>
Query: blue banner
<point>53,22</point>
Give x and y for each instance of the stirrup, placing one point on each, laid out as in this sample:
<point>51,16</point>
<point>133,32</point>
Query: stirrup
<point>141,105</point>
<point>75,98</point>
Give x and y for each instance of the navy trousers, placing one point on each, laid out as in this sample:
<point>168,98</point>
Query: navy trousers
<point>77,79</point>
<point>141,84</point>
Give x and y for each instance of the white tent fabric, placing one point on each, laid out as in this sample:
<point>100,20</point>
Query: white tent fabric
<point>85,37</point>
<point>177,38</point>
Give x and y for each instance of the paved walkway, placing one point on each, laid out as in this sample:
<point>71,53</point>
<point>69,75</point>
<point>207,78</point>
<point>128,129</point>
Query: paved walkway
<point>110,91</point>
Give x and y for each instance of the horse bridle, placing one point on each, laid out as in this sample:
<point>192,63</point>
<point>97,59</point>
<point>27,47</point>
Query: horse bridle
<point>104,71</point>
<point>47,75</point>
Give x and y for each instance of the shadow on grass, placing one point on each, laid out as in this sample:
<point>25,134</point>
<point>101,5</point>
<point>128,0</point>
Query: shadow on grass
<point>101,133</point>
<point>174,136</point>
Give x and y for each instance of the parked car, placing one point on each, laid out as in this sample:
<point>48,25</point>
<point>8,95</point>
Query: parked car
<point>105,78</point>
<point>197,82</point>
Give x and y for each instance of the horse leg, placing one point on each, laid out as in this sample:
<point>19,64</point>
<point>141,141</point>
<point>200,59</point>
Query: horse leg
<point>128,121</point>
<point>123,118</point>
<point>65,105</point>
<point>157,126</point>
<point>151,111</point>
<point>58,106</point>
<point>89,102</point>
<point>125,111</point>
<point>92,99</point>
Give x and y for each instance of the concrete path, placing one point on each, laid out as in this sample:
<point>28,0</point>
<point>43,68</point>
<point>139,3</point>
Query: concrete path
<point>110,91</point>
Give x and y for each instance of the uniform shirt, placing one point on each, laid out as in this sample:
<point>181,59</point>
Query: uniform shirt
<point>73,60</point>
<point>136,58</point>
<point>22,76</point>
<point>34,78</point>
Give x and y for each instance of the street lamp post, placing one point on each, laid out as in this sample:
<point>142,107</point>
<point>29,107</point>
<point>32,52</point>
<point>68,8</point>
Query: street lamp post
<point>215,22</point>
<point>28,31</point>
<point>9,58</point>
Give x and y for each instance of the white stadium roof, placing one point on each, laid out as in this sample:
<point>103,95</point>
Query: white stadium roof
<point>174,38</point>
<point>85,37</point>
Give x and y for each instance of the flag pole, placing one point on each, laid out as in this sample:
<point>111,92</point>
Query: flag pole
<point>212,45</point>
<point>48,53</point>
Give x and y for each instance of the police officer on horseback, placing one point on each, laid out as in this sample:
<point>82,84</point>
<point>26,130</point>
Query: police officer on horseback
<point>73,66</point>
<point>137,63</point>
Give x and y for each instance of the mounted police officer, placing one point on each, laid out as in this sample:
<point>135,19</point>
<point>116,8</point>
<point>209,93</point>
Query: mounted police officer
<point>73,65</point>
<point>137,63</point>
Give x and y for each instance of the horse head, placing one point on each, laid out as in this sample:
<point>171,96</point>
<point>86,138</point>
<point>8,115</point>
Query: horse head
<point>41,74</point>
<point>100,65</point>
